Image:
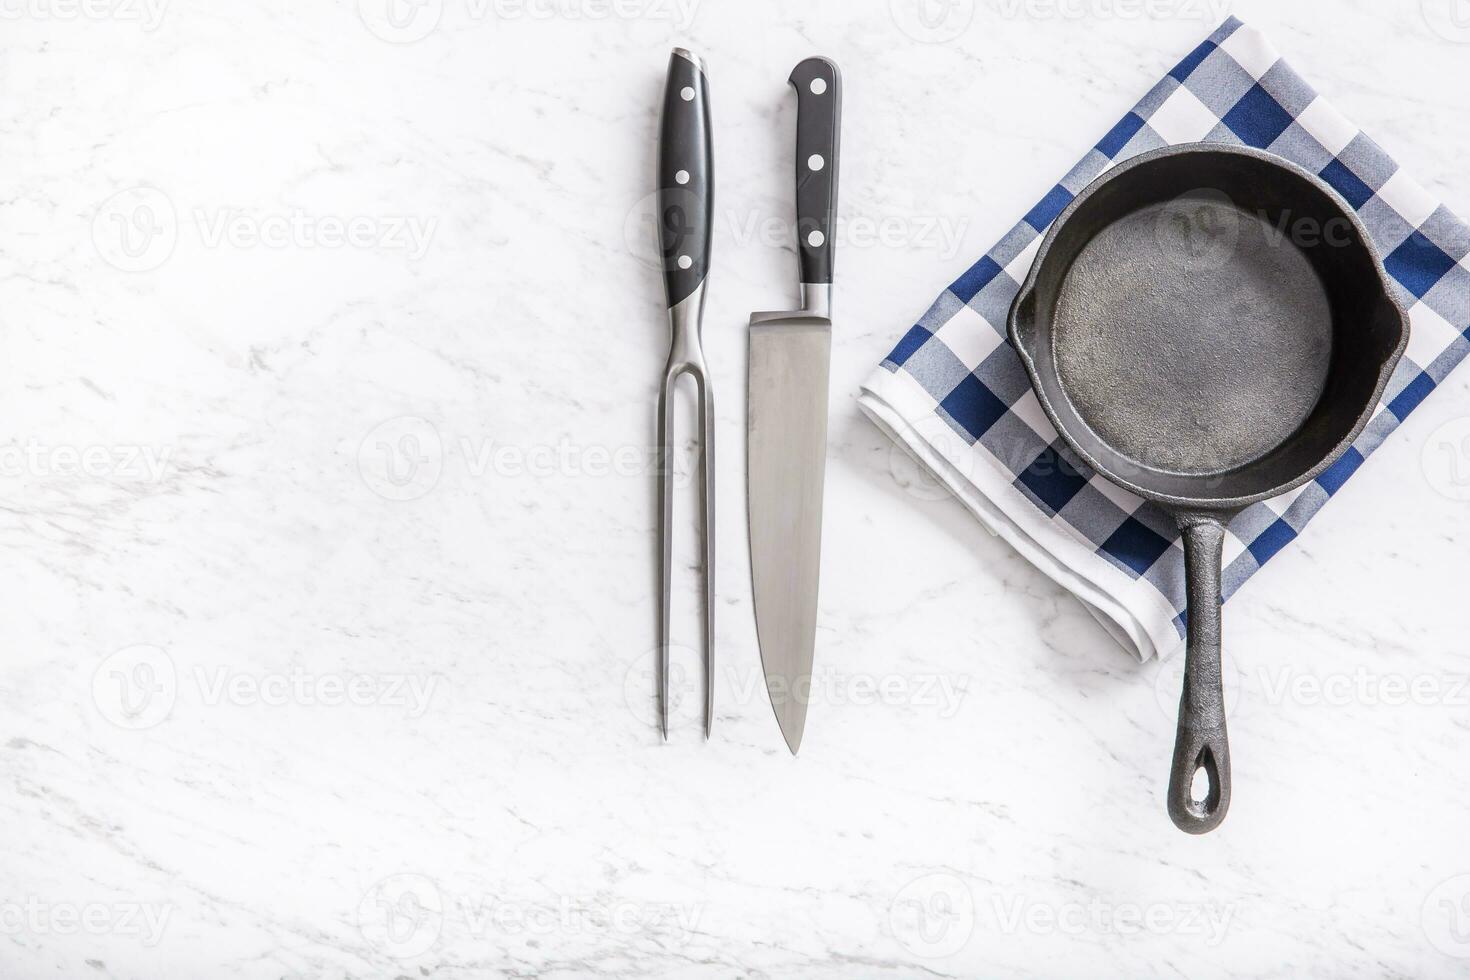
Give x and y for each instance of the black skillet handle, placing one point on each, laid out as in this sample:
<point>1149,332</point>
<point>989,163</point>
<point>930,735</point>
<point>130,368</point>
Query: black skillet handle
<point>1201,741</point>
<point>818,86</point>
<point>686,201</point>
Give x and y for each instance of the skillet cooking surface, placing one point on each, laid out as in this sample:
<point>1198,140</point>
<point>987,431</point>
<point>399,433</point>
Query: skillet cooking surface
<point>1192,336</point>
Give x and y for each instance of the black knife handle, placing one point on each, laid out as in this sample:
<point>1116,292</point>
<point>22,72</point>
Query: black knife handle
<point>818,86</point>
<point>686,205</point>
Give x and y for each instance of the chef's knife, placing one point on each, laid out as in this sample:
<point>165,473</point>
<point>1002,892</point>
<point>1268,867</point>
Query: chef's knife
<point>787,436</point>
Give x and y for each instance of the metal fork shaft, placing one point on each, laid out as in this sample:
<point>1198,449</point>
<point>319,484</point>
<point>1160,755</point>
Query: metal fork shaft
<point>686,357</point>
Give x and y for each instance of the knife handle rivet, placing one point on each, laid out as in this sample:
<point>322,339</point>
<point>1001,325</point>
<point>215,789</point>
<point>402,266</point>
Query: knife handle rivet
<point>815,162</point>
<point>682,177</point>
<point>819,86</point>
<point>686,93</point>
<point>685,261</point>
<point>815,239</point>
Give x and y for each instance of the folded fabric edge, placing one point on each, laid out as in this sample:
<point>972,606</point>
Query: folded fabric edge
<point>1021,527</point>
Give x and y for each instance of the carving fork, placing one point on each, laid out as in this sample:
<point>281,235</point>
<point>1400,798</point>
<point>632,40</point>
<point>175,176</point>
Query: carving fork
<point>685,220</point>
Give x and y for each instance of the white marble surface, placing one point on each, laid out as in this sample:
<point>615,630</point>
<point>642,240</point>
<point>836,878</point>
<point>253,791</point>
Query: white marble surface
<point>275,709</point>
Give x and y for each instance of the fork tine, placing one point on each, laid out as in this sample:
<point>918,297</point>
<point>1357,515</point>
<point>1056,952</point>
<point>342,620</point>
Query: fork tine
<point>665,533</point>
<point>707,490</point>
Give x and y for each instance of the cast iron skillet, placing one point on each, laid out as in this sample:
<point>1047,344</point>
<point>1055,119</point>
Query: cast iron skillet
<point>1207,326</point>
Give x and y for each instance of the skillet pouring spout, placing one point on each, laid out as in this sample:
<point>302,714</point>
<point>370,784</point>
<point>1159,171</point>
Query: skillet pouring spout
<point>1207,326</point>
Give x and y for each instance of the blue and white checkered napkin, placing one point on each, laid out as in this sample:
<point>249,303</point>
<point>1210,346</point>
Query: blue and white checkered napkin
<point>954,393</point>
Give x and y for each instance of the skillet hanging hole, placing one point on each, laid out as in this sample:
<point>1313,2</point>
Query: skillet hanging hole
<point>1204,788</point>
<point>1199,790</point>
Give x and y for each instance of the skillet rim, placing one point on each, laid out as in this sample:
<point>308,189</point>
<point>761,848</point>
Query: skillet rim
<point>1226,505</point>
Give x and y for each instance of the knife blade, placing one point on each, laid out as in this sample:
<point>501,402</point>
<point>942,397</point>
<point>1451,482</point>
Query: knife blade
<point>786,438</point>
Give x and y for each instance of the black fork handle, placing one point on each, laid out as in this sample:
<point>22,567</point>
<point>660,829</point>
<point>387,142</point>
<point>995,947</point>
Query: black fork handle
<point>686,201</point>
